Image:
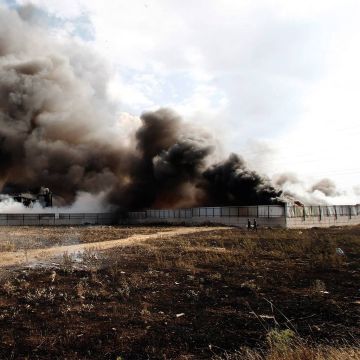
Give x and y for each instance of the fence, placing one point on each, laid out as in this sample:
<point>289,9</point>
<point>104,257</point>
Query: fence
<point>58,219</point>
<point>267,215</point>
<point>322,211</point>
<point>261,211</point>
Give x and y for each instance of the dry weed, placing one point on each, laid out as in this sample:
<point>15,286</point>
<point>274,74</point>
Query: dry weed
<point>299,351</point>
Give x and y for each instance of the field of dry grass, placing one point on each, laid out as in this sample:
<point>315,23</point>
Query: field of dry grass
<point>215,294</point>
<point>13,238</point>
<point>32,254</point>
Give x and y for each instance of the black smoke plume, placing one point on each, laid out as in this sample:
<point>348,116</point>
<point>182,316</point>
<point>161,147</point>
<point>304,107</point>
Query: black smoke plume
<point>231,182</point>
<point>56,130</point>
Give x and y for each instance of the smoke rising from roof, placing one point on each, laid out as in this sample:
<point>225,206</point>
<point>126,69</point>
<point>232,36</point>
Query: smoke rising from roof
<point>231,182</point>
<point>57,130</point>
<point>55,126</point>
<point>323,191</point>
<point>326,186</point>
<point>286,178</point>
<point>83,203</point>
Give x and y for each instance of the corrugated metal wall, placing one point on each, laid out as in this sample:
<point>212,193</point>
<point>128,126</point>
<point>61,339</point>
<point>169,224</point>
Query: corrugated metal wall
<point>267,214</point>
<point>263,211</point>
<point>58,219</point>
<point>322,211</point>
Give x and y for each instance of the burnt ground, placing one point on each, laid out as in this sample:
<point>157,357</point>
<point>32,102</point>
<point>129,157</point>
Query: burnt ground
<point>185,297</point>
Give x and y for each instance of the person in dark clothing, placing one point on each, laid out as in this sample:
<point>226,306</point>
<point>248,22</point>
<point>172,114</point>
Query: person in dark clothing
<point>255,225</point>
<point>249,224</point>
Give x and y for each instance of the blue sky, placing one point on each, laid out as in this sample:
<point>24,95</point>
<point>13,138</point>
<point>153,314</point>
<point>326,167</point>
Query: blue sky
<point>276,81</point>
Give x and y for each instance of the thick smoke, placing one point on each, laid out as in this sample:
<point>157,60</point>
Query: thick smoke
<point>326,186</point>
<point>83,203</point>
<point>171,169</point>
<point>286,178</point>
<point>322,192</point>
<point>231,182</point>
<point>165,165</point>
<point>56,130</point>
<point>53,117</point>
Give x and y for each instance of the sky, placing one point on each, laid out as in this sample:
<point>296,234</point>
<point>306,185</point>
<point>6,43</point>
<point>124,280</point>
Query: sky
<point>276,81</point>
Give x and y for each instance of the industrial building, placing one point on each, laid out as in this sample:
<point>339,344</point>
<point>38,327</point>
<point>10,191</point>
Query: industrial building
<point>279,216</point>
<point>283,216</point>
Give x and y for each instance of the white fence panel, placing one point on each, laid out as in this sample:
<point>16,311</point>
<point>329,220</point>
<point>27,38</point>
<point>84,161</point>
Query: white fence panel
<point>196,212</point>
<point>217,211</point>
<point>263,211</point>
<point>225,211</point>
<point>276,211</point>
<point>209,212</point>
<point>253,211</point>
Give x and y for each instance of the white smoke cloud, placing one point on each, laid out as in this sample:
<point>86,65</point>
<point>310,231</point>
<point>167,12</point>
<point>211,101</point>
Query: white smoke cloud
<point>84,203</point>
<point>324,191</point>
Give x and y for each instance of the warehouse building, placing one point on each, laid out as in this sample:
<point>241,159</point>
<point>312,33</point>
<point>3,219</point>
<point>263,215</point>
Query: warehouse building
<point>283,216</point>
<point>275,216</point>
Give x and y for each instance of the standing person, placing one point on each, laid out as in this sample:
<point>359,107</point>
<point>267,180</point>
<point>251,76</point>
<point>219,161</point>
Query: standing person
<point>249,224</point>
<point>255,225</point>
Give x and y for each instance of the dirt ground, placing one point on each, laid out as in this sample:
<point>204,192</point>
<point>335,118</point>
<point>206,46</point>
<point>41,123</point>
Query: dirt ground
<point>175,293</point>
<point>32,254</point>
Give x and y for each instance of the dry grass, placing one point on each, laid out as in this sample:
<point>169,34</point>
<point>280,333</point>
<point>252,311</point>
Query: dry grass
<point>240,248</point>
<point>300,351</point>
<point>33,237</point>
<point>287,345</point>
<point>224,294</point>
